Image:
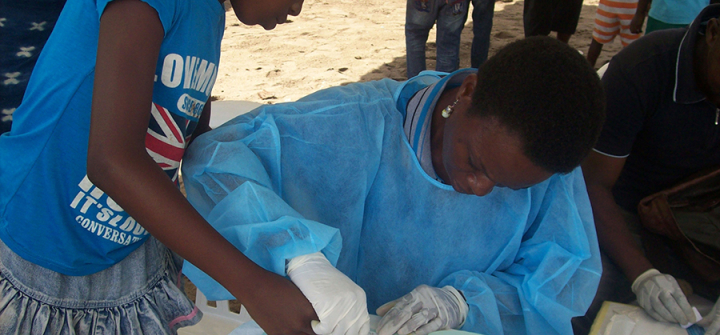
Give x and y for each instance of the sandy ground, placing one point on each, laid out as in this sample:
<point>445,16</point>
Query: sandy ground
<point>335,42</point>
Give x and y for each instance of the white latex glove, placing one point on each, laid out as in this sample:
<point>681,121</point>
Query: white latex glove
<point>661,297</point>
<point>339,302</point>
<point>422,311</point>
<point>711,321</point>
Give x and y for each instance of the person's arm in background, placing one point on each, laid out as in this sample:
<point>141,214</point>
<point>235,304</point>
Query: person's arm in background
<point>601,172</point>
<point>628,100</point>
<point>641,13</point>
<point>129,43</point>
<point>659,294</point>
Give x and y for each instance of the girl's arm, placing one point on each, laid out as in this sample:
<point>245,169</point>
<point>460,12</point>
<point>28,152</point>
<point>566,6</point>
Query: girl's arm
<point>129,43</point>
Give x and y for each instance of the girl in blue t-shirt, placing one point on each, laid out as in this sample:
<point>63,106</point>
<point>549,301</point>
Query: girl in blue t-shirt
<point>88,196</point>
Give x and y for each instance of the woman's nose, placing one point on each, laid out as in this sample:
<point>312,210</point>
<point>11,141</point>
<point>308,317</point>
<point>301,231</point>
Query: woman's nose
<point>480,185</point>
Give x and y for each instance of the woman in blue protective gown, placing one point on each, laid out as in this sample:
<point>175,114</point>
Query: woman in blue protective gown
<point>449,201</point>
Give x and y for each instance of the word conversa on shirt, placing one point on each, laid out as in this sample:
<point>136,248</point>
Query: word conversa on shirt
<point>100,215</point>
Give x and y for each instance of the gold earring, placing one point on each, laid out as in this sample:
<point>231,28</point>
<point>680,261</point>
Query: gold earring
<point>449,109</point>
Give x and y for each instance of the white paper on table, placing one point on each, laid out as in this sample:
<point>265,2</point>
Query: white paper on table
<point>634,321</point>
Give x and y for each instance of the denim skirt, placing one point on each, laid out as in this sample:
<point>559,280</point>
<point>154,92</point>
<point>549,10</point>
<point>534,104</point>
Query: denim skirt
<point>142,294</point>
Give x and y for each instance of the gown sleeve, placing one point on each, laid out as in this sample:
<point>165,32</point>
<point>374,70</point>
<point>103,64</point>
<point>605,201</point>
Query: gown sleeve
<point>233,178</point>
<point>286,180</point>
<point>554,275</point>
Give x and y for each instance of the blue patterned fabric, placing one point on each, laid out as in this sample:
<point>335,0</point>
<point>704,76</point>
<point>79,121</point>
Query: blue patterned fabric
<point>25,26</point>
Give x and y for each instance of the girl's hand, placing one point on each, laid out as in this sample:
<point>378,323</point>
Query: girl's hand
<point>277,305</point>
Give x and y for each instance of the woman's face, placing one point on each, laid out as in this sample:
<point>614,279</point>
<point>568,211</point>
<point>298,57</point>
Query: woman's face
<point>479,154</point>
<point>267,14</point>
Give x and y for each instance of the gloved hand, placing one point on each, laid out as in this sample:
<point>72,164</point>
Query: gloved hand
<point>661,297</point>
<point>424,310</point>
<point>339,302</point>
<point>711,321</point>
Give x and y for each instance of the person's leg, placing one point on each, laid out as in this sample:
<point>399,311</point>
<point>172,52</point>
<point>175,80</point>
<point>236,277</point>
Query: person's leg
<point>626,35</point>
<point>565,18</point>
<point>607,26</point>
<point>482,16</point>
<point>450,22</point>
<point>419,19</point>
<point>594,52</point>
<point>537,17</point>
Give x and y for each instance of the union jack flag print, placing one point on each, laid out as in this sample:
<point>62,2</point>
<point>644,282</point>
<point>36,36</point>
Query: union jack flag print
<point>166,138</point>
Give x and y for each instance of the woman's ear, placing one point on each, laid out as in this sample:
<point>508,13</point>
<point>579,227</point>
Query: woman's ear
<point>468,86</point>
<point>712,31</point>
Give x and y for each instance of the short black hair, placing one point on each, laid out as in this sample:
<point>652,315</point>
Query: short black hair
<point>547,93</point>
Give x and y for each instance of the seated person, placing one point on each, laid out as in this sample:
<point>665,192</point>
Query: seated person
<point>661,127</point>
<point>458,194</point>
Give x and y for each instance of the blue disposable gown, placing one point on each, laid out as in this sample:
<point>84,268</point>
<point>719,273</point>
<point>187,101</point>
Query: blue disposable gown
<point>291,179</point>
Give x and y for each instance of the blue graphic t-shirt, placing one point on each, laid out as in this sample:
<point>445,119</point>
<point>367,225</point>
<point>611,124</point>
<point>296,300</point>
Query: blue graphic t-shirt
<point>50,212</point>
